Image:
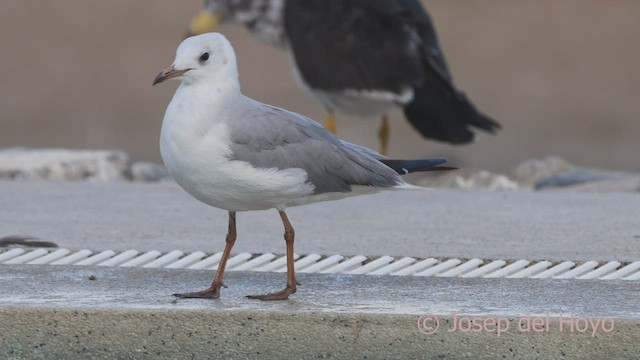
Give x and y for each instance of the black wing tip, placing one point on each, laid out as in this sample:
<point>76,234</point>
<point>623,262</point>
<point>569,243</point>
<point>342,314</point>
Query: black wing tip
<point>435,161</point>
<point>486,123</point>
<point>404,167</point>
<point>442,168</point>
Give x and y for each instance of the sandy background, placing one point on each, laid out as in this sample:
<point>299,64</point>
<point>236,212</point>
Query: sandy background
<point>562,77</point>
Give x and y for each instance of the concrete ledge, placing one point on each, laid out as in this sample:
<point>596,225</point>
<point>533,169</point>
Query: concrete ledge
<point>58,312</point>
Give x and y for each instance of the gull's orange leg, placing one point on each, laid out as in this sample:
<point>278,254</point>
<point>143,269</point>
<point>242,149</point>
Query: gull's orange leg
<point>213,292</point>
<point>292,282</point>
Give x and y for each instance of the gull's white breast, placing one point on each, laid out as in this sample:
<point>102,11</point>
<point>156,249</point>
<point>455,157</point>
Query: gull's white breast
<point>194,144</point>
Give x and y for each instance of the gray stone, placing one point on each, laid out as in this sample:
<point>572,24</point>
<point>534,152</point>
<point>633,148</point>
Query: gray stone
<point>24,241</point>
<point>606,180</point>
<point>63,164</point>
<point>628,185</point>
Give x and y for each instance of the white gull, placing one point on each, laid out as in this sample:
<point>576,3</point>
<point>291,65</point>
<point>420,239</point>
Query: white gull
<point>234,153</point>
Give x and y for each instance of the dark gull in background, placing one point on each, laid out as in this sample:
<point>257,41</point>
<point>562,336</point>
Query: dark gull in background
<point>234,153</point>
<point>363,58</point>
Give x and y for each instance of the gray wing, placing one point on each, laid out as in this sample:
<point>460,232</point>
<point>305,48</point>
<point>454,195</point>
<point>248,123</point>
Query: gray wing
<point>362,149</point>
<point>269,137</point>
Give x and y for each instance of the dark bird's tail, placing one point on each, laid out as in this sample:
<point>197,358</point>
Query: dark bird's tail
<point>438,111</point>
<point>403,167</point>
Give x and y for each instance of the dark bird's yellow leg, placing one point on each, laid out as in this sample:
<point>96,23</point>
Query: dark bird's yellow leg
<point>383,135</point>
<point>213,292</point>
<point>330,122</point>
<point>292,282</point>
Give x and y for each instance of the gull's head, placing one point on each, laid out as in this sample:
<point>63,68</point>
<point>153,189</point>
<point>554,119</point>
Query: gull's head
<point>206,57</point>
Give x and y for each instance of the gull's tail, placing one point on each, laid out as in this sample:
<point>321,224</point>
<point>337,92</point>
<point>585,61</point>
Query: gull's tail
<point>403,167</point>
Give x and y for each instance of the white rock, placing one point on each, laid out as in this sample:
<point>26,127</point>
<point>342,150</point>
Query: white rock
<point>471,180</point>
<point>494,182</point>
<point>530,172</point>
<point>63,164</point>
<point>148,172</point>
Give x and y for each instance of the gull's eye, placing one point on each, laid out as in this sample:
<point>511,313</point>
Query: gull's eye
<point>204,57</point>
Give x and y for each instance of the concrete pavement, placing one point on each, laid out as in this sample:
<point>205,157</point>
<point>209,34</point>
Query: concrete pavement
<point>446,223</point>
<point>58,312</point>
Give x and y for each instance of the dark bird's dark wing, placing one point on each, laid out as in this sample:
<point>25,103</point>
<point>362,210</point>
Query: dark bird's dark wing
<point>382,45</point>
<point>344,44</point>
<point>438,110</point>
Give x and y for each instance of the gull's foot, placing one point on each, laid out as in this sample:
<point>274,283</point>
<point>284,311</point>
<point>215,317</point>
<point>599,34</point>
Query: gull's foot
<point>279,295</point>
<point>210,293</point>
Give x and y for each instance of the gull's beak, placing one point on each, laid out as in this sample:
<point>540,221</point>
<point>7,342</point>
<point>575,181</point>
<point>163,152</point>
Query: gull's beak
<point>204,22</point>
<point>169,73</point>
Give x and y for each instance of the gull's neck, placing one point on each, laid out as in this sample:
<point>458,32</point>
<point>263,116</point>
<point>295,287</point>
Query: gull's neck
<point>199,108</point>
<point>213,92</point>
<point>210,90</point>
